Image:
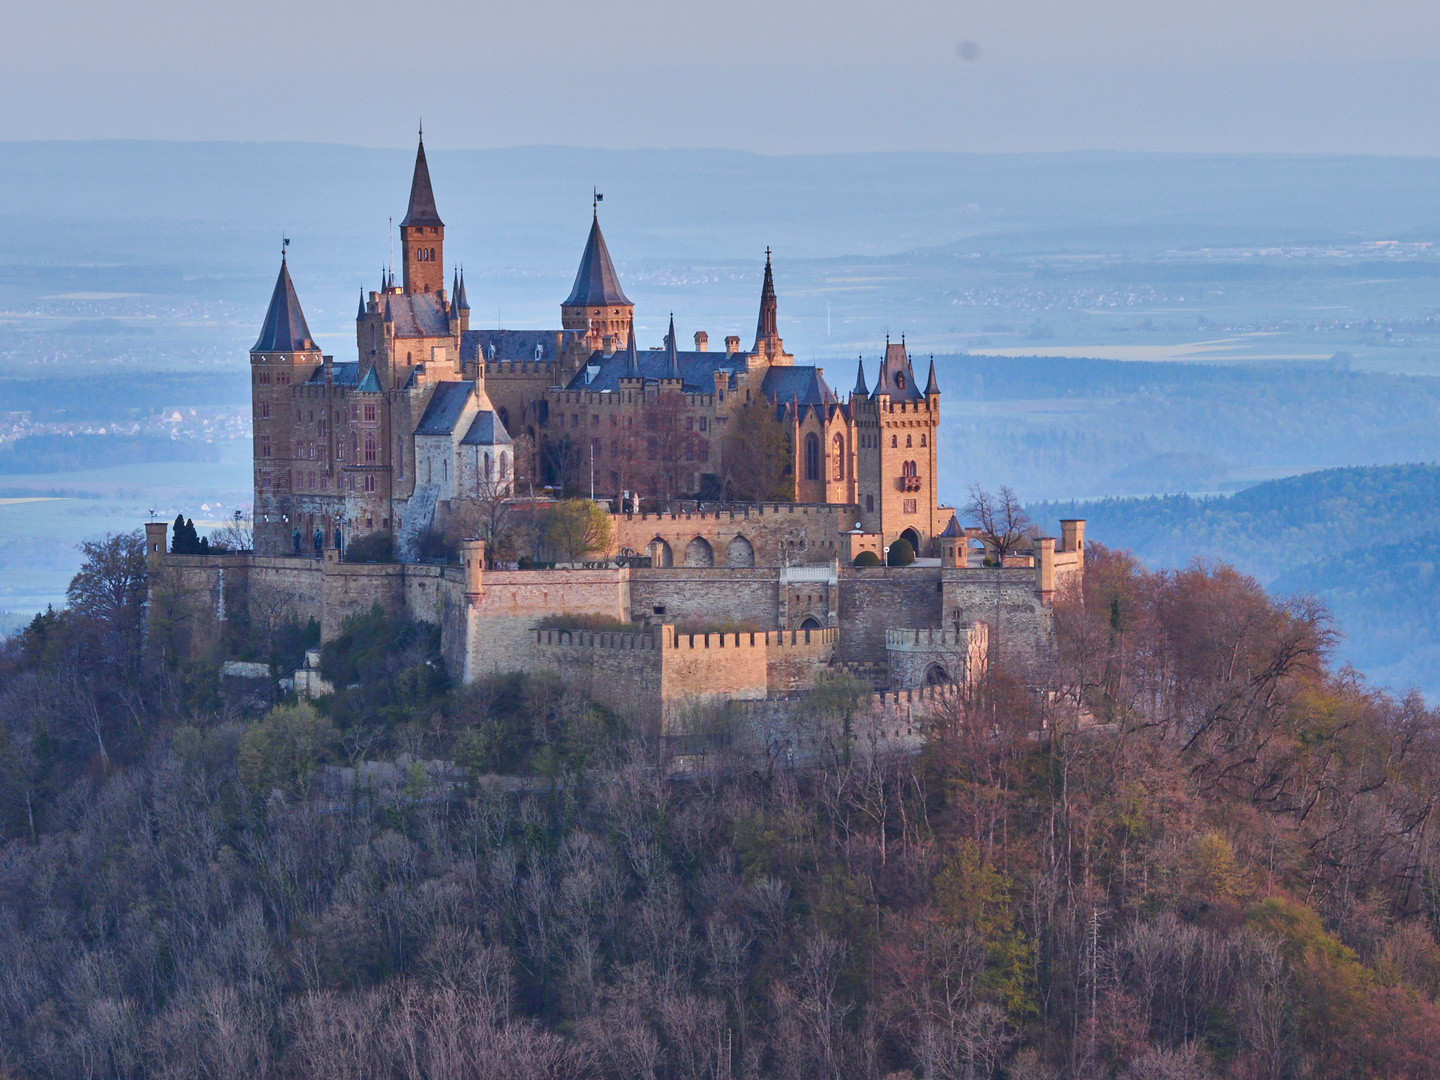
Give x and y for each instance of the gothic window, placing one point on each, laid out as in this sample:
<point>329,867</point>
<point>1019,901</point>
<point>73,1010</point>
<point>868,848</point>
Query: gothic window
<point>539,350</point>
<point>894,441</point>
<point>504,465</point>
<point>487,466</point>
<point>922,440</point>
<point>907,469</point>
<point>839,452</point>
<point>369,448</point>
<point>812,457</point>
<point>264,446</point>
<point>908,443</point>
<point>369,481</point>
<point>265,410</point>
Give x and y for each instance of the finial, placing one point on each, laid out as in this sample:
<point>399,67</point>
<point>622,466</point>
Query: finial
<point>767,254</point>
<point>284,243</point>
<point>596,198</point>
<point>422,129</point>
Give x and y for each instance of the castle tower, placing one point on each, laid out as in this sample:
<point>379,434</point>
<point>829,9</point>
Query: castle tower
<point>896,467</point>
<point>282,358</point>
<point>422,233</point>
<point>597,305</point>
<point>767,333</point>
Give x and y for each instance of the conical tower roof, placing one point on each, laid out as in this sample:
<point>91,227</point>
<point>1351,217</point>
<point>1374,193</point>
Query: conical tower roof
<point>932,387</point>
<point>361,313</point>
<point>284,329</point>
<point>422,197</point>
<point>766,326</point>
<point>632,358</point>
<point>672,355</point>
<point>596,284</point>
<point>860,387</point>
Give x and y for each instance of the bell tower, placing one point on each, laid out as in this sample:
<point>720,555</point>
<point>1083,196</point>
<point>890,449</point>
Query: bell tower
<point>422,233</point>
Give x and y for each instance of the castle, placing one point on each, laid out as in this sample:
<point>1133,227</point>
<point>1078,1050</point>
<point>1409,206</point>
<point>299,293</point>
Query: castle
<point>432,411</point>
<point>433,416</point>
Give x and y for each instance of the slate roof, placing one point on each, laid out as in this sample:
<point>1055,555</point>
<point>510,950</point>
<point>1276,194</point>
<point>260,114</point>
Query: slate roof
<point>486,430</point>
<point>860,387</point>
<point>893,371</point>
<point>931,386</point>
<point>510,344</point>
<point>422,197</point>
<point>284,329</point>
<point>345,373</point>
<point>370,384</point>
<point>596,284</point>
<point>803,384</point>
<point>417,315</point>
<point>445,408</point>
<point>697,369</point>
<point>953,529</point>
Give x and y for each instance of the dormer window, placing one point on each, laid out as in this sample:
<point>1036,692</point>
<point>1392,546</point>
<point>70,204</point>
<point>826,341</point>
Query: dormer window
<point>899,381</point>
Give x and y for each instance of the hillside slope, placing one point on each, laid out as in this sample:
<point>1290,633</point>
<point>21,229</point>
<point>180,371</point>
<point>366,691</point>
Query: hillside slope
<point>1364,540</point>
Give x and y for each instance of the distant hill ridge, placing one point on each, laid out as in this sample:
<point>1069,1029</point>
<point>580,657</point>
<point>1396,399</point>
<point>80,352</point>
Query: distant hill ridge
<point>1365,540</point>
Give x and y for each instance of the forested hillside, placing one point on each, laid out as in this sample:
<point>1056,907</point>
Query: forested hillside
<point>1195,853</point>
<point>1364,540</point>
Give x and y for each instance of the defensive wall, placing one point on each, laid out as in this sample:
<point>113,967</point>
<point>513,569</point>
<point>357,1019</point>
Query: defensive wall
<point>659,673</point>
<point>739,534</point>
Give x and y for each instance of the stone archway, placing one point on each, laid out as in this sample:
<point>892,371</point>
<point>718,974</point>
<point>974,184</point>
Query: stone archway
<point>739,552</point>
<point>660,553</point>
<point>911,537</point>
<point>699,553</point>
<point>811,623</point>
<point>936,675</point>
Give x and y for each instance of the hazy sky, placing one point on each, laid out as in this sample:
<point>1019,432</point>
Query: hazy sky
<point>1289,75</point>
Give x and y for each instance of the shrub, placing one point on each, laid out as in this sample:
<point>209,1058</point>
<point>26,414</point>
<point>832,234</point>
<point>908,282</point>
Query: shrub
<point>576,528</point>
<point>699,625</point>
<point>375,548</point>
<point>901,553</point>
<point>588,622</point>
<point>867,558</point>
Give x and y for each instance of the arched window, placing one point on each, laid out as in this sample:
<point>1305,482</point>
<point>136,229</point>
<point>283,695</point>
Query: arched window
<point>369,448</point>
<point>838,449</point>
<point>487,466</point>
<point>812,457</point>
<point>908,443</point>
<point>908,469</point>
<point>504,465</point>
<point>922,440</point>
<point>894,441</point>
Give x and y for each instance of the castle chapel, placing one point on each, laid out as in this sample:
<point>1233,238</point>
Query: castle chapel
<point>431,411</point>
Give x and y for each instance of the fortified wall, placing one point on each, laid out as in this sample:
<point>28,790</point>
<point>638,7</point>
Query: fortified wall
<point>899,628</point>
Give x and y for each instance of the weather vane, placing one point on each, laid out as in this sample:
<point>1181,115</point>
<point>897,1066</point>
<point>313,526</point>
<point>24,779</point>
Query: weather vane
<point>597,200</point>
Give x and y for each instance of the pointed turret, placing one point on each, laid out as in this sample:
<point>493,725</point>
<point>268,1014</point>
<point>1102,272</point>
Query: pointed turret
<point>422,233</point>
<point>461,301</point>
<point>931,386</point>
<point>766,328</point>
<point>422,197</point>
<point>632,358</point>
<point>672,355</point>
<point>284,329</point>
<point>388,317</point>
<point>360,314</point>
<point>860,387</point>
<point>596,283</point>
<point>597,306</point>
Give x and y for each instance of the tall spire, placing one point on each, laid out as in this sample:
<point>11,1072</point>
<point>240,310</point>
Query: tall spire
<point>596,283</point>
<point>932,387</point>
<point>284,329</point>
<point>860,387</point>
<point>459,300</point>
<point>672,355</point>
<point>361,313</point>
<point>422,197</point>
<point>632,357</point>
<point>766,327</point>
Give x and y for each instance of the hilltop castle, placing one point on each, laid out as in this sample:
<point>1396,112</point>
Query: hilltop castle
<point>432,411</point>
<point>432,417</point>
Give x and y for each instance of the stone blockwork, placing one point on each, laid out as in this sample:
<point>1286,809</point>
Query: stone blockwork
<point>740,535</point>
<point>936,657</point>
<point>658,674</point>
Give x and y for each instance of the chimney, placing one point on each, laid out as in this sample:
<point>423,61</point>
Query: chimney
<point>732,344</point>
<point>609,345</point>
<point>702,341</point>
